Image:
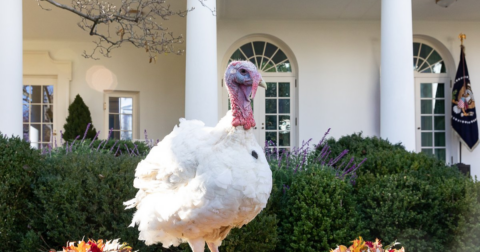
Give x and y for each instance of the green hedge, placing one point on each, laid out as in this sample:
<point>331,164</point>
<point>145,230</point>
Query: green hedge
<point>46,200</point>
<point>18,166</point>
<point>320,212</point>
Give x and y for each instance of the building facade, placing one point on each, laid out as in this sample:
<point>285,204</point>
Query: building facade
<point>381,67</point>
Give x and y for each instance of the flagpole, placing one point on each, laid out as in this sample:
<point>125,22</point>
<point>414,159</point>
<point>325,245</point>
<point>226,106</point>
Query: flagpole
<point>462,36</point>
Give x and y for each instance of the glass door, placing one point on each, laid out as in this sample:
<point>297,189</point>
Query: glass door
<point>431,116</point>
<point>275,113</point>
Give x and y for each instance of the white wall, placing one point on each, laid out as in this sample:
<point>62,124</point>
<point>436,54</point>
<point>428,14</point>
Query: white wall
<point>339,69</point>
<point>161,85</point>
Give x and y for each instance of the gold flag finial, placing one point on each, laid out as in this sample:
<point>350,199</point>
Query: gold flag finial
<point>462,36</point>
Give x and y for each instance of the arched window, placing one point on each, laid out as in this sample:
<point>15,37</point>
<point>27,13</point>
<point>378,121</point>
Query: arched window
<point>427,60</point>
<point>266,56</point>
<point>274,109</point>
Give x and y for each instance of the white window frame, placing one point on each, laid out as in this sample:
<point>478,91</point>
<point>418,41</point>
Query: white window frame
<point>135,95</point>
<point>451,148</point>
<point>44,81</point>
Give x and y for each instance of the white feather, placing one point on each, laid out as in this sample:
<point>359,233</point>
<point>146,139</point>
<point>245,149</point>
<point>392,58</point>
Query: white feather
<point>199,180</point>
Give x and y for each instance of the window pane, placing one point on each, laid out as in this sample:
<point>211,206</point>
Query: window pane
<point>237,55</point>
<point>253,60</point>
<point>247,49</point>
<point>271,136</point>
<point>439,107</point>
<point>48,113</point>
<point>271,89</point>
<point>284,67</point>
<point>284,138</point>
<point>115,135</point>
<point>271,122</point>
<point>439,90</point>
<point>439,123</point>
<point>426,106</point>
<point>284,123</point>
<point>258,46</point>
<point>36,113</point>
<point>113,105</point>
<point>420,64</point>
<point>427,122</point>
<point>34,133</point>
<point>427,69</point>
<point>439,139</point>
<point>444,68</point>
<point>27,91</point>
<point>269,50</point>
<point>284,106</point>
<point>267,64</point>
<point>284,89</point>
<point>427,139</point>
<point>279,57</point>
<point>428,151</point>
<point>441,154</point>
<point>425,51</point>
<point>25,132</point>
<point>439,67</point>
<point>26,113</point>
<point>126,135</point>
<point>434,58</point>
<point>126,122</point>
<point>114,122</point>
<point>416,47</point>
<point>48,94</point>
<point>270,105</point>
<point>36,94</point>
<point>426,90</point>
<point>270,69</point>
<point>47,133</point>
<point>126,105</point>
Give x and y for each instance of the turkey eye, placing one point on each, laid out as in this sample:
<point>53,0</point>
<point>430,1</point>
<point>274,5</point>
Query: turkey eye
<point>254,154</point>
<point>243,71</point>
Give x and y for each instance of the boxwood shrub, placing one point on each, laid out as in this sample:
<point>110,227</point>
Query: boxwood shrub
<point>320,212</point>
<point>18,166</point>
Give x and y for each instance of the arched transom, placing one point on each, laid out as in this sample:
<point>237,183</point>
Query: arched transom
<point>266,56</point>
<point>427,60</point>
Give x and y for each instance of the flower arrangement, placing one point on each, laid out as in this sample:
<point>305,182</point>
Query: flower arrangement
<point>359,245</point>
<point>97,246</point>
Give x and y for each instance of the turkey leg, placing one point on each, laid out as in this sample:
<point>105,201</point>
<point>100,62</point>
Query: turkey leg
<point>197,245</point>
<point>212,247</point>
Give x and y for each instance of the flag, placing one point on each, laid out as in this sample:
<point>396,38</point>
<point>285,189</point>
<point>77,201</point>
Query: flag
<point>464,115</point>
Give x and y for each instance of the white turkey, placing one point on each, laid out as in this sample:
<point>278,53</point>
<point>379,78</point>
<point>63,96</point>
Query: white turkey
<point>200,182</point>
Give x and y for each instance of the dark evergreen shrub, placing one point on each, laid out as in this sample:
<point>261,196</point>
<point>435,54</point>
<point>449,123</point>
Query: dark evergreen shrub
<point>18,166</point>
<point>258,235</point>
<point>77,120</point>
<point>81,194</point>
<point>320,212</point>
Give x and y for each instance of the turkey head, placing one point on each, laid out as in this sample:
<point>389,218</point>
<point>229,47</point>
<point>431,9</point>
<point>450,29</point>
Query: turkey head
<point>242,80</point>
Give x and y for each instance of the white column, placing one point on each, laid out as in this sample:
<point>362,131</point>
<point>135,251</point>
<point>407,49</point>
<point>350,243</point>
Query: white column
<point>201,67</point>
<point>397,106</point>
<point>11,68</point>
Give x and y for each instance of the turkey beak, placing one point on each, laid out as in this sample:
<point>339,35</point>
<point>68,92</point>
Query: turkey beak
<point>263,84</point>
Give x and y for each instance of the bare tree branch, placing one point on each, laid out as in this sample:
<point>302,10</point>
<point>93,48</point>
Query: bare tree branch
<point>132,21</point>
